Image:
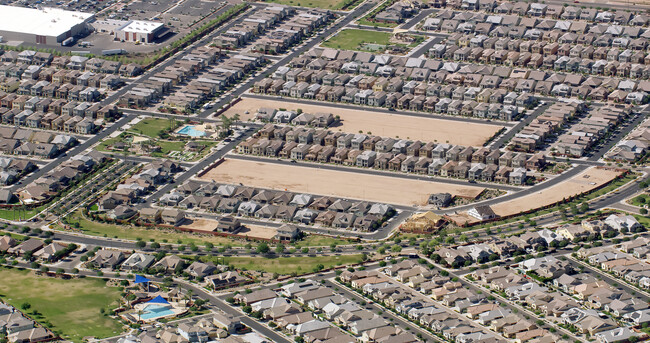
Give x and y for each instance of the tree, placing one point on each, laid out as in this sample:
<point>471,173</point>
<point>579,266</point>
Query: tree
<point>584,207</point>
<point>155,245</point>
<point>279,249</point>
<point>25,306</point>
<point>140,244</point>
<point>263,248</point>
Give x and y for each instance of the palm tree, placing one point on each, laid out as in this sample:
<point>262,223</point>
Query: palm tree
<point>188,296</point>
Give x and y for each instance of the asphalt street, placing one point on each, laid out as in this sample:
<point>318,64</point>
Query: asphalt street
<point>501,141</point>
<point>74,151</point>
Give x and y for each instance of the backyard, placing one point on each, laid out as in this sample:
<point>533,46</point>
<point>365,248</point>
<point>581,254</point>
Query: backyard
<point>72,307</point>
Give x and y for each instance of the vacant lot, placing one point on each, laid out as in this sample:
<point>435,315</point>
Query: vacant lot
<point>583,182</point>
<point>353,39</point>
<point>71,306</point>
<point>251,231</point>
<point>345,184</point>
<point>382,124</point>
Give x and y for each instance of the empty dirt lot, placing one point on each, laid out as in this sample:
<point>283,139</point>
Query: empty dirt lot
<point>253,231</point>
<point>381,124</point>
<point>344,184</point>
<point>583,182</point>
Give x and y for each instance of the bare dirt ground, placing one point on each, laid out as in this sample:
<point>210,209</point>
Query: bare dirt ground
<point>384,189</point>
<point>201,224</point>
<point>253,231</point>
<point>583,182</point>
<point>382,124</point>
<point>257,231</point>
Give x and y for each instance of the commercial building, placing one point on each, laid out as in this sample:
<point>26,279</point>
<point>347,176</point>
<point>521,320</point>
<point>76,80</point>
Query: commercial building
<point>42,25</point>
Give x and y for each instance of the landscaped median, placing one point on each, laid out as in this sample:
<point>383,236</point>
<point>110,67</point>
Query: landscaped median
<point>287,265</point>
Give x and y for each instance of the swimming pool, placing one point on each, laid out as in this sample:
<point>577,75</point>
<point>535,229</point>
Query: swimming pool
<point>156,311</point>
<point>189,130</point>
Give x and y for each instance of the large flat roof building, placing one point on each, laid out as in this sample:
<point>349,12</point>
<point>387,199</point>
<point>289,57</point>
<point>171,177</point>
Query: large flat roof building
<point>41,26</point>
<point>139,31</point>
<point>131,30</point>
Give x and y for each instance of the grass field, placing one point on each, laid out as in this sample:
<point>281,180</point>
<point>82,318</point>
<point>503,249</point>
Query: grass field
<point>166,147</point>
<point>13,215</point>
<point>353,39</point>
<point>132,233</point>
<point>316,240</point>
<point>640,200</point>
<point>287,265</point>
<point>71,306</point>
<point>152,127</point>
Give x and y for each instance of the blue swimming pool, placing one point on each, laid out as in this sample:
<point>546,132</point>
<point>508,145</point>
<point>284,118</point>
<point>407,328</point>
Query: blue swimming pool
<point>155,311</point>
<point>189,130</point>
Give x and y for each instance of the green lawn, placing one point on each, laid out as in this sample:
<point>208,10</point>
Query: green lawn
<point>640,200</point>
<point>132,233</point>
<point>167,146</point>
<point>13,215</point>
<point>152,126</point>
<point>643,220</point>
<point>287,265</point>
<point>71,306</point>
<point>323,241</point>
<point>103,146</point>
<point>353,39</point>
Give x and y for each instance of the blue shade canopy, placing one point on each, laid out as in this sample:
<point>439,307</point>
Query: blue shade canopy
<point>158,300</point>
<point>141,279</point>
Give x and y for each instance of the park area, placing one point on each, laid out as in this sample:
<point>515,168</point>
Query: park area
<point>68,307</point>
<point>381,123</point>
<point>343,184</point>
<point>153,137</point>
<point>353,39</point>
<point>367,40</point>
